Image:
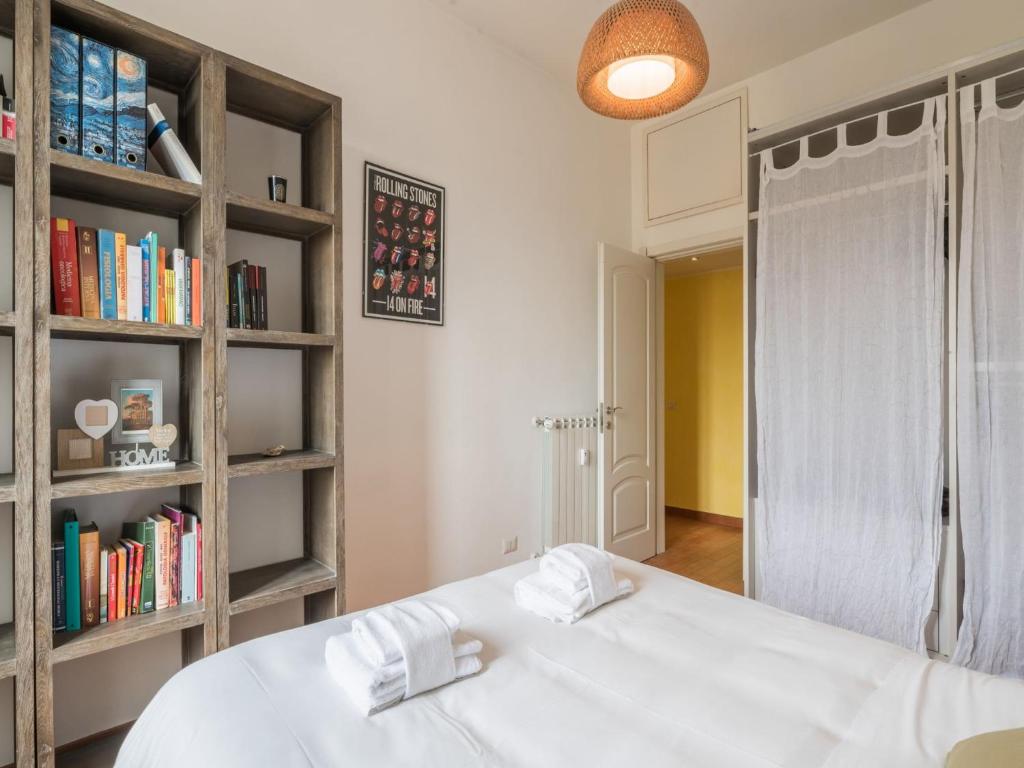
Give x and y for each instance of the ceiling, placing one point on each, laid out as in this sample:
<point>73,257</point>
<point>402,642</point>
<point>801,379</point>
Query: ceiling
<point>744,36</point>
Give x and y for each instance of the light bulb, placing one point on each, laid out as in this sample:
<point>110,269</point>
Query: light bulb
<point>641,77</point>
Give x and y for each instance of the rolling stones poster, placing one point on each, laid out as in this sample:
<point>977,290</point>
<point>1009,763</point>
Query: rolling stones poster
<point>403,240</point>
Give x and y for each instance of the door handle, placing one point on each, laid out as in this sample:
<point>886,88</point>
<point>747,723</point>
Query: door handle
<point>611,409</point>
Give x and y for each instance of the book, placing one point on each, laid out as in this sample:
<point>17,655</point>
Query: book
<point>64,267</point>
<point>162,561</point>
<point>88,272</point>
<point>112,583</point>
<point>252,281</point>
<point>65,90</point>
<point>72,585</point>
<point>199,558</point>
<point>179,286</point>
<point>129,575</point>
<point>161,297</point>
<point>130,111</point>
<point>121,269</point>
<point>177,518</point>
<point>133,601</point>
<point>57,576</point>
<point>97,100</point>
<point>197,293</point>
<point>188,289</point>
<point>234,314</point>
<point>104,582</point>
<point>144,532</point>
<point>155,267</point>
<point>108,274</point>
<point>133,289</point>
<point>264,318</point>
<point>188,558</point>
<point>121,581</point>
<point>89,564</point>
<point>147,279</point>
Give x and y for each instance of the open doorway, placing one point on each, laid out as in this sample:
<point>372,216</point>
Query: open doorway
<point>702,402</point>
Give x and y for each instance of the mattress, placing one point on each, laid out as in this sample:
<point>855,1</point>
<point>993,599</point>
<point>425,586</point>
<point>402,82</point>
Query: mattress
<point>678,674</point>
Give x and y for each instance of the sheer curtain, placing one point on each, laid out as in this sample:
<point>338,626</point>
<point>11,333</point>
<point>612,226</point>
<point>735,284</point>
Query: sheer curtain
<point>848,378</point>
<point>990,386</point>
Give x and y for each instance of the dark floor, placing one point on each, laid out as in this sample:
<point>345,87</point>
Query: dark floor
<point>705,552</point>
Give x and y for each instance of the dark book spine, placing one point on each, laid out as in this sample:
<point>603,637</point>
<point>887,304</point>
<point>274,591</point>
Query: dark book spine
<point>233,317</point>
<point>253,282</point>
<point>264,320</point>
<point>243,295</point>
<point>59,606</point>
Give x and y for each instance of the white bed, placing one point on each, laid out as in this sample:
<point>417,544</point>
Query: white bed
<point>678,674</point>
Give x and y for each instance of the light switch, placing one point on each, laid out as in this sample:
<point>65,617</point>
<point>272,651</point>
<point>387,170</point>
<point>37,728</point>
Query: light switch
<point>584,457</point>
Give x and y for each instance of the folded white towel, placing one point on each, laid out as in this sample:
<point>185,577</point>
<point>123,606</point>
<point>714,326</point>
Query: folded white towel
<point>399,651</point>
<point>350,670</point>
<point>377,635</point>
<point>539,594</point>
<point>585,566</point>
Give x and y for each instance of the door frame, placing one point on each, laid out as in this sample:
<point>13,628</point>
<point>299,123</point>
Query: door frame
<point>714,241</point>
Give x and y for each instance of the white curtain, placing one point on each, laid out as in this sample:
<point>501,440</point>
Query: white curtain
<point>990,386</point>
<point>848,380</point>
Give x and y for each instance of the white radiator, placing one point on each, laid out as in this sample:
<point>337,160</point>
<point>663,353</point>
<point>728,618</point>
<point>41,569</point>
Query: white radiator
<point>569,485</point>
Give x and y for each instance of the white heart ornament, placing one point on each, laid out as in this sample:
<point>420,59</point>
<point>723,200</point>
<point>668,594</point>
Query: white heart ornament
<point>96,417</point>
<point>162,435</point>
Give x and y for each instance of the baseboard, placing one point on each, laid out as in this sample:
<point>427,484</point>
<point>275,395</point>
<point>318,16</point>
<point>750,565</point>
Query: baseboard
<point>706,517</point>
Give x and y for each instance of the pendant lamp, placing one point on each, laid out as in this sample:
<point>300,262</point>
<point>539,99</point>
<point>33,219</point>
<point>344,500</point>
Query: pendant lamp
<point>643,58</point>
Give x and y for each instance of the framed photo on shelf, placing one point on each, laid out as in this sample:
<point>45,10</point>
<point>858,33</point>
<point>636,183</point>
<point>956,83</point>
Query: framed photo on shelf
<point>403,247</point>
<point>140,405</point>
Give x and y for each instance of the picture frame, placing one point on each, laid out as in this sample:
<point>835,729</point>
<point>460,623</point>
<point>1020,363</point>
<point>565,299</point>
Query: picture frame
<point>76,450</point>
<point>140,405</point>
<point>403,247</point>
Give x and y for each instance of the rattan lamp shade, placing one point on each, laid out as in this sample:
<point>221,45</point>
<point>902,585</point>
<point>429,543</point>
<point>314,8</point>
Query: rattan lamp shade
<point>643,28</point>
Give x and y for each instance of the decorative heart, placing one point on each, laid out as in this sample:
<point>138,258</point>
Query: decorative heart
<point>162,435</point>
<point>96,417</point>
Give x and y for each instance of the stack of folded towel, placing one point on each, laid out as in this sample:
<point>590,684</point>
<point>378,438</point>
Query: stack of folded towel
<point>398,651</point>
<point>573,580</point>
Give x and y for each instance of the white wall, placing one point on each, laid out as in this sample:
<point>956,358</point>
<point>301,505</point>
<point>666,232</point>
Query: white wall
<point>441,460</point>
<point>928,36</point>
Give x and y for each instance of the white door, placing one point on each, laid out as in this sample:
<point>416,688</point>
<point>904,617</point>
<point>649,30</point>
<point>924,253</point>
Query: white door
<point>626,389</point>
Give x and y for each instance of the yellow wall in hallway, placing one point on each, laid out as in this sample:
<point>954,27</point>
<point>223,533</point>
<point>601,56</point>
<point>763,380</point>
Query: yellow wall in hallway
<point>704,392</point>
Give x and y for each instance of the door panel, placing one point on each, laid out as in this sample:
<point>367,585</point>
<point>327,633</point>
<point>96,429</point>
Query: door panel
<point>626,450</point>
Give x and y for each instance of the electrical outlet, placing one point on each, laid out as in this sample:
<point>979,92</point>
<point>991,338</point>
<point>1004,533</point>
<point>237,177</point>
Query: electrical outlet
<point>508,546</point>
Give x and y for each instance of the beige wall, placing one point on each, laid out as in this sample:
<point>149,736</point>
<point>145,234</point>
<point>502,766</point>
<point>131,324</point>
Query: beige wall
<point>928,36</point>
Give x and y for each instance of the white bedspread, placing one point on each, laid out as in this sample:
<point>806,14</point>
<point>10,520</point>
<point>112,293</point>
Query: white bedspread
<point>679,674</point>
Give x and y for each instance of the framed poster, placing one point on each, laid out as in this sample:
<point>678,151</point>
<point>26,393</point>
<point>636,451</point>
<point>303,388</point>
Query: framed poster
<point>403,248</point>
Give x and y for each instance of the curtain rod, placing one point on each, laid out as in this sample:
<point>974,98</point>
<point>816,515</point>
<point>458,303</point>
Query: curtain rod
<point>848,122</point>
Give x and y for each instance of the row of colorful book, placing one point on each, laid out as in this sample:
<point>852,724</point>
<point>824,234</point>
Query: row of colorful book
<point>156,564</point>
<point>97,274</point>
<point>247,296</point>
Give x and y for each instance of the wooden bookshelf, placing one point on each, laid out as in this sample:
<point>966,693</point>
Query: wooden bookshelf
<point>207,84</point>
<point>315,220</point>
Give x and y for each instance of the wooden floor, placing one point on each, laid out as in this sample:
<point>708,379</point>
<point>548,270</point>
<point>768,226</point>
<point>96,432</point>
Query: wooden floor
<point>705,552</point>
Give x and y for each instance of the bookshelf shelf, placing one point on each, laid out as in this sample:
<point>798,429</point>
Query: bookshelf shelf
<point>8,651</point>
<point>68,327</point>
<point>97,750</point>
<point>263,217</point>
<point>8,490</point>
<point>251,464</point>
<point>271,584</point>
<point>107,184</point>
<point>7,322</point>
<point>74,645</point>
<point>184,473</point>
<point>242,337</point>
